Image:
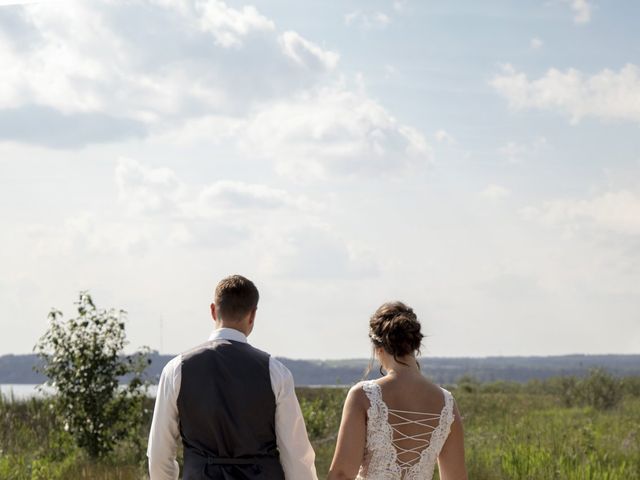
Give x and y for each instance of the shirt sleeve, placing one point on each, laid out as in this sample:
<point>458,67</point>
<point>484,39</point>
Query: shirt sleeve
<point>164,434</point>
<point>296,454</point>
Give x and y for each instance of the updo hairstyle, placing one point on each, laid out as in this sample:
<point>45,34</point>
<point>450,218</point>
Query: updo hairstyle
<point>396,328</point>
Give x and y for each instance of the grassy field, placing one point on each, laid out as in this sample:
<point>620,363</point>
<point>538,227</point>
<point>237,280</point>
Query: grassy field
<point>512,432</point>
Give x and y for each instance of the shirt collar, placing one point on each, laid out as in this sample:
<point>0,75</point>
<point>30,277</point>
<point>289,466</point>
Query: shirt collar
<point>228,334</point>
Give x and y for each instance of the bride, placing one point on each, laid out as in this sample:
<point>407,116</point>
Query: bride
<point>399,426</point>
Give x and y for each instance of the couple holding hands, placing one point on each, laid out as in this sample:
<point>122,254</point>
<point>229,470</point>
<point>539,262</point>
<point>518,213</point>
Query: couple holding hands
<point>235,409</point>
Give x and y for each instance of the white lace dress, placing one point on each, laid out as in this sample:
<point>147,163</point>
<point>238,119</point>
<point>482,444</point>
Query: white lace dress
<point>381,460</point>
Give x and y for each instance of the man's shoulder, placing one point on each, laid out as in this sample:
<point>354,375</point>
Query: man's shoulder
<point>279,368</point>
<point>210,345</point>
<point>259,351</point>
<point>172,367</point>
<point>194,350</point>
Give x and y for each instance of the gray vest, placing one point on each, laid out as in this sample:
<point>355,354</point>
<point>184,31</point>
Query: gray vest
<point>227,413</point>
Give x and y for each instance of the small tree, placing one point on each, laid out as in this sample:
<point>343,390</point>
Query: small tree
<point>83,359</point>
<point>468,383</point>
<point>601,390</point>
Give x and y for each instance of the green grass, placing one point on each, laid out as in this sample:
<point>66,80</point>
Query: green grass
<point>526,436</point>
<point>511,432</point>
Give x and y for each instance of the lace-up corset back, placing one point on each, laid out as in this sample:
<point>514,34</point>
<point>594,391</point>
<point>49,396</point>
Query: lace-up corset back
<point>401,444</point>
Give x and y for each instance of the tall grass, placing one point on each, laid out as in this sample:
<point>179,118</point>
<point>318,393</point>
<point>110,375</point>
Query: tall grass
<point>512,431</point>
<point>35,446</point>
<point>527,436</point>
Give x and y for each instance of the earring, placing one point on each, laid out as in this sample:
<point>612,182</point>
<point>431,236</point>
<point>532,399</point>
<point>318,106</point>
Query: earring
<point>382,374</point>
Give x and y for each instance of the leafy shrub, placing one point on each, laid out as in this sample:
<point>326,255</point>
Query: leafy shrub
<point>82,357</point>
<point>322,409</point>
<point>468,383</point>
<point>599,390</point>
<point>631,386</point>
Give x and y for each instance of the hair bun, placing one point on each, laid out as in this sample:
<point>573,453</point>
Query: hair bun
<point>395,327</point>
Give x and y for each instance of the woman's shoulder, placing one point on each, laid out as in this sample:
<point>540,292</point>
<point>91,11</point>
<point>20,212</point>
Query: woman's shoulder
<point>362,388</point>
<point>438,393</point>
<point>448,396</point>
<point>363,392</point>
<point>437,388</point>
<point>445,394</point>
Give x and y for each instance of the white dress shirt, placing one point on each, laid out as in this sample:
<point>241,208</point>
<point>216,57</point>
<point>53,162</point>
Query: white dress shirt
<point>296,455</point>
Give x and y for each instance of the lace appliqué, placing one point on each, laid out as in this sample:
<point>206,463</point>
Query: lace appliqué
<point>381,456</point>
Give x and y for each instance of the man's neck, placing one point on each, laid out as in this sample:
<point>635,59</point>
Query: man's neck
<point>234,326</point>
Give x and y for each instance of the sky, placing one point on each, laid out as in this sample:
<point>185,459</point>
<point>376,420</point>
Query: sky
<point>479,161</point>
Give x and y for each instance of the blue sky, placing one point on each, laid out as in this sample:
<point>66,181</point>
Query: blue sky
<point>478,160</point>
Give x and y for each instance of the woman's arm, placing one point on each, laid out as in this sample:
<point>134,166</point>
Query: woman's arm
<point>351,437</point>
<point>451,458</point>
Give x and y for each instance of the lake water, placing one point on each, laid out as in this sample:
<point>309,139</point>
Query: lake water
<point>22,391</point>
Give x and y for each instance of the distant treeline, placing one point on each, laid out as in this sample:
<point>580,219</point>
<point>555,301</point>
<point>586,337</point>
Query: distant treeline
<point>19,368</point>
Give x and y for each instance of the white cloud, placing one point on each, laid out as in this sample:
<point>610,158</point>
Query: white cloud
<point>229,25</point>
<point>333,131</point>
<point>399,5</point>
<point>157,210</point>
<point>146,190</point>
<point>608,94</point>
<point>156,64</point>
<point>367,20</point>
<point>614,211</point>
<point>228,194</point>
<point>185,71</point>
<point>88,234</point>
<point>517,152</point>
<point>535,43</point>
<point>6,3</point>
<point>442,136</point>
<point>581,10</point>
<point>315,251</point>
<point>210,129</point>
<point>319,134</point>
<point>279,229</point>
<point>390,71</point>
<point>306,53</point>
<point>495,192</point>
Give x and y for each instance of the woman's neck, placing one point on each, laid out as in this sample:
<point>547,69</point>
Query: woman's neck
<point>401,367</point>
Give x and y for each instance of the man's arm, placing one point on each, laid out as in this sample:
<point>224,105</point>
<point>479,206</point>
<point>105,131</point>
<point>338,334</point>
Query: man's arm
<point>163,437</point>
<point>296,455</point>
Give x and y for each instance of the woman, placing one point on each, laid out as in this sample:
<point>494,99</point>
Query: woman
<point>398,427</point>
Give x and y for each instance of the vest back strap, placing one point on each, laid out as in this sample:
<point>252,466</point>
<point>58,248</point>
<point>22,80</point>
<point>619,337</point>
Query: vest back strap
<point>231,461</point>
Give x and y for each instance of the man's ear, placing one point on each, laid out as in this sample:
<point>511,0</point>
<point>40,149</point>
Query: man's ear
<point>214,312</point>
<point>252,316</point>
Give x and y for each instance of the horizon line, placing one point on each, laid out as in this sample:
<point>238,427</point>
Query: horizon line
<point>420,357</point>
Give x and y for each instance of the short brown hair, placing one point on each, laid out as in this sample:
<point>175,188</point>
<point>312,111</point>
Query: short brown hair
<point>235,297</point>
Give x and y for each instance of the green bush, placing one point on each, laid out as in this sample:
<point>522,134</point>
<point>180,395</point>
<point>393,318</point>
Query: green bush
<point>83,359</point>
<point>631,386</point>
<point>599,390</point>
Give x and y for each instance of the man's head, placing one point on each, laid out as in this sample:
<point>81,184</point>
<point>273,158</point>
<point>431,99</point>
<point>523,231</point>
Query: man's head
<point>235,303</point>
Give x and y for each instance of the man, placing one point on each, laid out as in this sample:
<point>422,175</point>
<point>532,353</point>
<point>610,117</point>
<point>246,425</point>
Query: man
<point>233,405</point>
